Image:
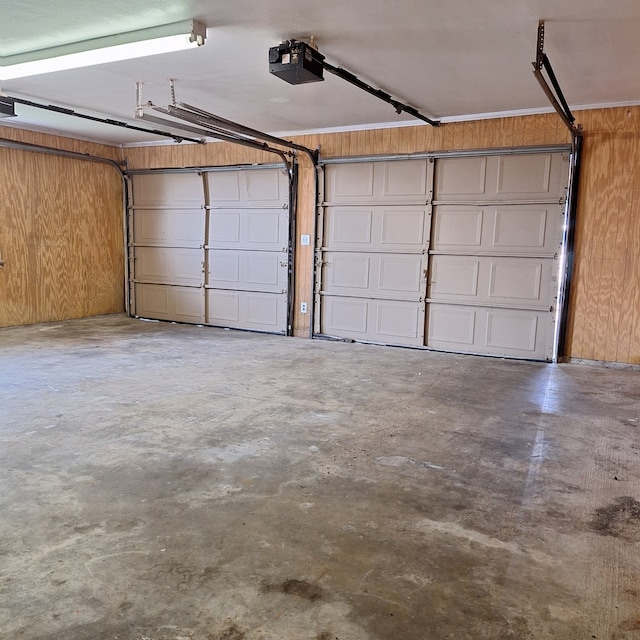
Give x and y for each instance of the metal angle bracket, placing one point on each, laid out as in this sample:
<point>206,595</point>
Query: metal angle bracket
<point>540,49</point>
<point>553,92</point>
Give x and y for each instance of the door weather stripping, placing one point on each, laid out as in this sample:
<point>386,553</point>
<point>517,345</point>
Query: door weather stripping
<point>553,92</point>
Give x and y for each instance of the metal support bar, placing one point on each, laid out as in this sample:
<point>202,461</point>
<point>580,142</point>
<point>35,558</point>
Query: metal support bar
<point>109,121</point>
<point>254,144</point>
<point>378,93</point>
<point>556,85</point>
<point>291,270</point>
<point>241,129</point>
<point>163,122</point>
<point>569,244</point>
<point>204,122</point>
<point>218,127</point>
<point>557,99</point>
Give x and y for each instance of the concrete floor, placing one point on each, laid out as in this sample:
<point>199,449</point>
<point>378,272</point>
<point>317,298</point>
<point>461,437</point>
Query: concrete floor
<point>167,482</point>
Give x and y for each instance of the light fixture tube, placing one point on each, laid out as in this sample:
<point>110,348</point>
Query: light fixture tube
<point>124,46</point>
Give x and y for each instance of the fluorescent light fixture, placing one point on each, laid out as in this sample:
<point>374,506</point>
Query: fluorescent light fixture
<point>123,46</point>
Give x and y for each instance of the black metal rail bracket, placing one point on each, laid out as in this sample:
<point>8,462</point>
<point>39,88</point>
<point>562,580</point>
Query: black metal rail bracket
<point>553,91</point>
<point>378,93</point>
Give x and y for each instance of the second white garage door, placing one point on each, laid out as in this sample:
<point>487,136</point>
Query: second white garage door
<point>464,259</point>
<point>212,248</point>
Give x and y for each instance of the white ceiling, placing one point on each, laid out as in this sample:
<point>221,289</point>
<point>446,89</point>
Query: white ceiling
<point>447,58</point>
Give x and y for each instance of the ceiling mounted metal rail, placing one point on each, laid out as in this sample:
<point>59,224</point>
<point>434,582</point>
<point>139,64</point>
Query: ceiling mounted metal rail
<point>211,120</point>
<point>378,93</point>
<point>553,92</point>
<point>212,126</point>
<point>84,116</point>
<point>206,133</point>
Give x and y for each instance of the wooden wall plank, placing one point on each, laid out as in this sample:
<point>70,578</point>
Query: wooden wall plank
<point>304,254</point>
<point>61,238</point>
<point>631,303</point>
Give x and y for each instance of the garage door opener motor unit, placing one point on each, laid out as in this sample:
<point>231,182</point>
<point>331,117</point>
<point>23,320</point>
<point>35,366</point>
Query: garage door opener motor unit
<point>296,62</point>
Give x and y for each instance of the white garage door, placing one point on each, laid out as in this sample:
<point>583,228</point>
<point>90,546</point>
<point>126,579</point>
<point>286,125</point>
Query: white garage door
<point>211,248</point>
<point>374,237</point>
<point>477,276</point>
<point>493,272</point>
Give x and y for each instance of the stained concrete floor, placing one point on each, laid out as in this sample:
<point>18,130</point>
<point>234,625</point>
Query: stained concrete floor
<point>167,482</point>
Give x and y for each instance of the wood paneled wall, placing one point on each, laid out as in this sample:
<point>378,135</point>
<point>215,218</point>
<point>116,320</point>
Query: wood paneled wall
<point>604,322</point>
<point>61,235</point>
<point>605,309</point>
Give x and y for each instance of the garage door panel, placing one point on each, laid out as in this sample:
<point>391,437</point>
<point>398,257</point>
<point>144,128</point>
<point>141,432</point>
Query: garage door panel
<point>164,265</point>
<point>247,270</point>
<point>524,175</point>
<point>457,228</point>
<point>250,229</point>
<point>454,276</point>
<point>224,186</point>
<point>403,228</point>
<point>498,280</point>
<point>349,227</point>
<point>224,228</point>
<point>520,280</point>
<point>250,188</point>
<point>350,181</point>
<point>377,228</point>
<point>174,227</point>
<point>403,179</point>
<point>161,302</point>
<point>457,177</point>
<point>451,325</point>
<point>528,177</point>
<point>512,330</point>
<point>345,317</point>
<point>400,273</point>
<point>168,190</point>
<point>368,182</point>
<point>345,271</point>
<point>264,227</point>
<point>386,321</point>
<point>397,322</point>
<point>387,276</point>
<point>502,332</point>
<point>266,186</point>
<point>524,229</point>
<point>497,229</point>
<point>247,310</point>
